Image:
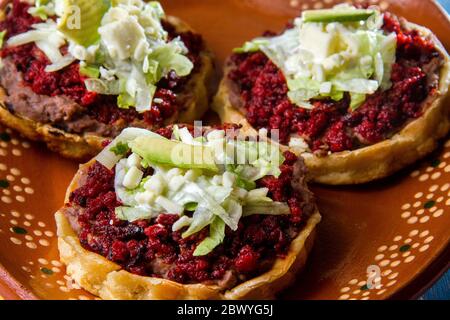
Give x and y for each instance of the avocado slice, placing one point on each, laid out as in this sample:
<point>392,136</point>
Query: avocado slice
<point>174,154</point>
<point>335,15</point>
<point>81,20</point>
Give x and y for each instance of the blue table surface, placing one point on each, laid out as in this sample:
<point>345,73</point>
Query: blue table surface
<point>441,290</point>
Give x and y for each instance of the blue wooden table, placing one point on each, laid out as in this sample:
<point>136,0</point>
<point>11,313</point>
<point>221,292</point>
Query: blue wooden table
<point>441,290</point>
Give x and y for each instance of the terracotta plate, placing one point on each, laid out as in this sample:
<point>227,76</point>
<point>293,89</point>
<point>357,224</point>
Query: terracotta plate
<point>395,229</point>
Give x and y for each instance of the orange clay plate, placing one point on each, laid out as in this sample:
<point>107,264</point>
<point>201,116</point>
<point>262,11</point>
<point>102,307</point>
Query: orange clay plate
<point>398,227</point>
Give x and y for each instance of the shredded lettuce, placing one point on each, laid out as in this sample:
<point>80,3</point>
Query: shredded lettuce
<point>245,184</point>
<point>219,193</point>
<point>234,210</point>
<point>46,38</point>
<point>90,71</point>
<point>361,86</point>
<point>191,206</point>
<point>203,199</point>
<point>42,9</point>
<point>39,12</point>
<point>125,101</point>
<point>258,196</point>
<point>330,54</point>
<point>388,54</point>
<point>169,58</point>
<point>103,86</point>
<point>132,214</point>
<point>215,207</point>
<point>202,218</point>
<point>137,47</point>
<point>216,237</point>
<point>357,99</point>
<point>273,208</point>
<point>122,46</point>
<point>40,3</point>
<point>60,63</point>
<point>181,223</point>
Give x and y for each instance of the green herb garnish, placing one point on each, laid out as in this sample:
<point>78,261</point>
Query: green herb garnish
<point>120,149</point>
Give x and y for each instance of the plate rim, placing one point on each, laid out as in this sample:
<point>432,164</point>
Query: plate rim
<point>421,281</point>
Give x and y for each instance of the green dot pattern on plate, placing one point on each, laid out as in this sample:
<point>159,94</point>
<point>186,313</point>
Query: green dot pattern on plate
<point>405,248</point>
<point>435,163</point>
<point>19,230</point>
<point>4,184</point>
<point>429,204</point>
<point>5,137</point>
<point>47,271</point>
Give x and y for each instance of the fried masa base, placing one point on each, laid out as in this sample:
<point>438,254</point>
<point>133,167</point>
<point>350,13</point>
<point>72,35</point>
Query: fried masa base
<point>109,281</point>
<point>84,146</point>
<point>413,142</point>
